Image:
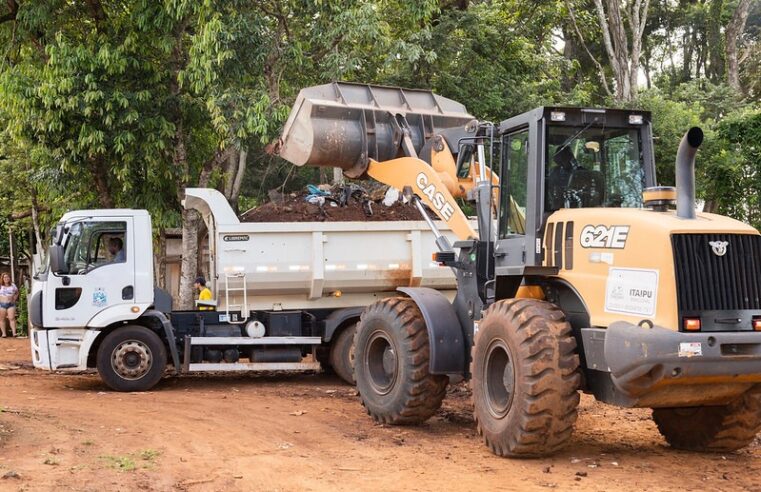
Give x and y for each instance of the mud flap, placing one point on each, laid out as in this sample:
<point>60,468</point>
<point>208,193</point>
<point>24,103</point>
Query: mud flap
<point>169,333</point>
<point>445,334</point>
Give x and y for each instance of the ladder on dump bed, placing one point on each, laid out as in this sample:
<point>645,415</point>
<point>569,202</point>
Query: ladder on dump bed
<point>242,288</point>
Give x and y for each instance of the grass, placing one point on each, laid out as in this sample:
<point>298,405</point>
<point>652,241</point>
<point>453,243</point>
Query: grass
<point>149,454</point>
<point>121,463</point>
<point>129,462</point>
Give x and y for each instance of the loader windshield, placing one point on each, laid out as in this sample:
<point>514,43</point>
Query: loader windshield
<point>590,166</point>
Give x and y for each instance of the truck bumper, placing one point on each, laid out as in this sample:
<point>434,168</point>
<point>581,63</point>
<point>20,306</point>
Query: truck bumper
<point>64,349</point>
<point>662,367</point>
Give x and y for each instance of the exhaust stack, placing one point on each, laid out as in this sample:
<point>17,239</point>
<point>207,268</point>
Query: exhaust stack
<point>685,173</point>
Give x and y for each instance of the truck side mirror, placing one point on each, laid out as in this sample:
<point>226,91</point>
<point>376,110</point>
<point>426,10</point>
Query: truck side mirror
<point>57,263</point>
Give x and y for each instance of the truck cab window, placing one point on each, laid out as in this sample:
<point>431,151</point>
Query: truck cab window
<point>93,244</point>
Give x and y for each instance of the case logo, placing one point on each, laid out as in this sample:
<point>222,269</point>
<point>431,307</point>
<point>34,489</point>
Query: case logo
<point>719,248</point>
<point>437,198</point>
<point>610,237</point>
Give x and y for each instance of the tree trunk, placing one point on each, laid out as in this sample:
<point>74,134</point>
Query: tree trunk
<point>100,180</point>
<point>624,48</point>
<point>240,173</point>
<point>159,260</point>
<point>36,222</point>
<point>715,47</point>
<point>189,266</point>
<point>735,29</point>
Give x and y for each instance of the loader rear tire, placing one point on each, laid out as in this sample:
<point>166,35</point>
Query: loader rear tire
<point>131,358</point>
<point>718,429</point>
<point>342,354</point>
<point>525,378</point>
<point>391,364</point>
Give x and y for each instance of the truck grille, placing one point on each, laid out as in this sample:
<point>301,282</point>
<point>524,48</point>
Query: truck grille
<point>706,281</point>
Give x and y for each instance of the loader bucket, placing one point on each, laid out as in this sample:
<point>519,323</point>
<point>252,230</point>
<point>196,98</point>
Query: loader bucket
<point>344,124</point>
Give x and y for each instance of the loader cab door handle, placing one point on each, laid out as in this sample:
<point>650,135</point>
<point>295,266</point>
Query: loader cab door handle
<point>128,293</point>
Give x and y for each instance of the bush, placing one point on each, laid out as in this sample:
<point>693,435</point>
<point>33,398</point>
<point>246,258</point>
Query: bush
<point>22,315</point>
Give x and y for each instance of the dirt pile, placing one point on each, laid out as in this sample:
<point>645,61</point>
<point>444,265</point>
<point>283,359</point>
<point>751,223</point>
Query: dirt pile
<point>338,204</point>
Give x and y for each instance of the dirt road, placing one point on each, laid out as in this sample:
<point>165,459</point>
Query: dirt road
<point>307,432</point>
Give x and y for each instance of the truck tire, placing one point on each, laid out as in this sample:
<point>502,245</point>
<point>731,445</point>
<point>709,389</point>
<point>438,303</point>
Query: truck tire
<point>525,378</point>
<point>342,354</point>
<point>718,429</point>
<point>131,358</point>
<point>391,364</point>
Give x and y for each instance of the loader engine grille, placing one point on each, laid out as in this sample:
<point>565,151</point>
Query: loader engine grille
<point>717,271</point>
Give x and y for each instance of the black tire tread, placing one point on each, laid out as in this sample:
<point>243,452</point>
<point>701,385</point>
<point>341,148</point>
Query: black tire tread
<point>718,429</point>
<point>339,354</point>
<point>103,358</point>
<point>423,392</point>
<point>545,417</point>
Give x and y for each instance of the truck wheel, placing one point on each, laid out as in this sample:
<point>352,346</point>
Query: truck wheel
<point>391,356</point>
<point>525,378</point>
<point>131,358</point>
<point>713,429</point>
<point>342,353</point>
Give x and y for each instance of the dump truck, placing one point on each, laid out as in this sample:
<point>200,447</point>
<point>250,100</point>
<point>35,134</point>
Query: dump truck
<point>584,275</point>
<point>288,295</point>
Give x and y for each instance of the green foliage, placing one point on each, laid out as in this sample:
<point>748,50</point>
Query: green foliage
<point>671,119</point>
<point>22,316</point>
<point>126,103</point>
<point>732,177</point>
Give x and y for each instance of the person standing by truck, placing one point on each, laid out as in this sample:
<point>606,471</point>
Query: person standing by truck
<point>204,293</point>
<point>8,297</point>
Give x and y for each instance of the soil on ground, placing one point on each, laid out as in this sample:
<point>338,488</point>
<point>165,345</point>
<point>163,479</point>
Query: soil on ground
<point>308,432</point>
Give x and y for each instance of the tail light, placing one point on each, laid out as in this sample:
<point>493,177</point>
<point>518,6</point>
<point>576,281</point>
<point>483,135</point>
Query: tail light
<point>756,323</point>
<point>691,324</point>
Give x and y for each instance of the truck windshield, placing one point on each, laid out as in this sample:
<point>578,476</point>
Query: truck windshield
<point>593,167</point>
<point>91,244</point>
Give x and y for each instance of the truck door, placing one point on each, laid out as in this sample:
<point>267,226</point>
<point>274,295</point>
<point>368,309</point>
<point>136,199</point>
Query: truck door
<point>99,256</point>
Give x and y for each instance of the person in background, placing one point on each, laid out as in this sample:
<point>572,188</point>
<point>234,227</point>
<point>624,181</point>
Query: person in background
<point>8,297</point>
<point>204,293</point>
<point>116,248</point>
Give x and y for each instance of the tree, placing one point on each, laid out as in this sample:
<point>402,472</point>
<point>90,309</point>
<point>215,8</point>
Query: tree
<point>734,30</point>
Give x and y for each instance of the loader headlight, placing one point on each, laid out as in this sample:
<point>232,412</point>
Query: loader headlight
<point>557,116</point>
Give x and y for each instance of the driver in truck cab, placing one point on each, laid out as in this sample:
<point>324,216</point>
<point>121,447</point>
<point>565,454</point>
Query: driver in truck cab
<point>204,293</point>
<point>116,248</point>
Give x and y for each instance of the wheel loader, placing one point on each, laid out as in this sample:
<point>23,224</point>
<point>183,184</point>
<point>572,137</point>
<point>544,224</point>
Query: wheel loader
<point>583,273</point>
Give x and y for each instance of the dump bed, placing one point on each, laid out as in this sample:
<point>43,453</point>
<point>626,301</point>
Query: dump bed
<point>285,265</point>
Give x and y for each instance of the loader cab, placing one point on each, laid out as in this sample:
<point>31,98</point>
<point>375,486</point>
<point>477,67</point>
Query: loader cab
<point>553,158</point>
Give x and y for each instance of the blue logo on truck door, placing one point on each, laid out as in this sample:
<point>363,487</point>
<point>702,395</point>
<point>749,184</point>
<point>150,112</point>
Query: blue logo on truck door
<point>99,297</point>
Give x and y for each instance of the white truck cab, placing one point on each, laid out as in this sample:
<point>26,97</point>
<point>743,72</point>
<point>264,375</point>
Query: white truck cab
<point>288,294</point>
<point>103,275</point>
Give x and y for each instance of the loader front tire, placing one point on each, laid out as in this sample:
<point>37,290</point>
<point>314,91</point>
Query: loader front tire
<point>525,378</point>
<point>131,358</point>
<point>391,364</point>
<point>717,429</point>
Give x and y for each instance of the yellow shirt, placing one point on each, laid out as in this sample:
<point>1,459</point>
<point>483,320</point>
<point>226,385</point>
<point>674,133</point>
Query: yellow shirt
<point>205,295</point>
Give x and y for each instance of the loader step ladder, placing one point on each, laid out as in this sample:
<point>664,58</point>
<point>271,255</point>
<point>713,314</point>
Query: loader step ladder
<point>190,342</point>
<point>244,306</point>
